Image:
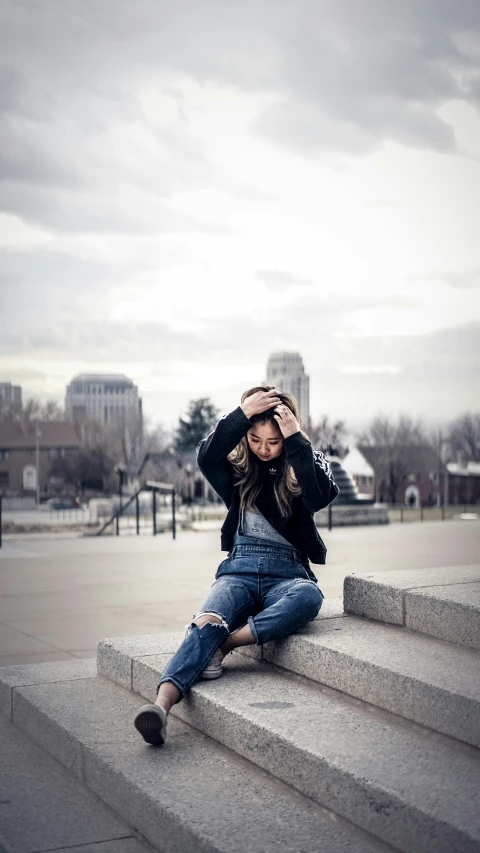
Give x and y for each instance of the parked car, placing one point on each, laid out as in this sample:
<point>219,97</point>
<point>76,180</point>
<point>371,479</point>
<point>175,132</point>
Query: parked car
<point>59,503</point>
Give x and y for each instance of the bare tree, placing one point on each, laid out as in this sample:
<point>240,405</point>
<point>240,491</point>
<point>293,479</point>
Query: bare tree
<point>32,410</point>
<point>391,440</point>
<point>105,450</point>
<point>329,437</point>
<point>464,438</point>
<point>94,465</point>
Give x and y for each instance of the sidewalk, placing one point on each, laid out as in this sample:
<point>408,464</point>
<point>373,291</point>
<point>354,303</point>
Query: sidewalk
<point>60,596</point>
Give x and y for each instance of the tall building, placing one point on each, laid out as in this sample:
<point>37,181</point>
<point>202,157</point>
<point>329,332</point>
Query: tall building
<point>286,371</point>
<point>10,394</point>
<point>111,399</point>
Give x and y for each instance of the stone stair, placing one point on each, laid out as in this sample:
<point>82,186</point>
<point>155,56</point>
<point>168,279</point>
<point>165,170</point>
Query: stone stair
<point>357,734</point>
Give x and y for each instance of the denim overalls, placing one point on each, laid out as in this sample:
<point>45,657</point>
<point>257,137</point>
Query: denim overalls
<point>263,582</point>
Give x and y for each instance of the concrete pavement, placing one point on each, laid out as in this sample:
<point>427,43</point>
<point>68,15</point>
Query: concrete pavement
<point>60,596</point>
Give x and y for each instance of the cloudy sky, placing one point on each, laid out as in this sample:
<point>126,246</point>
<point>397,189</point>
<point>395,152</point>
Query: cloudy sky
<point>188,186</point>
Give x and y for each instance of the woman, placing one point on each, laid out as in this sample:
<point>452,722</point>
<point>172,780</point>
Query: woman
<point>272,482</point>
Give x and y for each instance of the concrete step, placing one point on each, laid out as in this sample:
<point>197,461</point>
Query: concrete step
<point>44,808</point>
<point>190,796</point>
<point>418,677</point>
<point>443,602</point>
<point>413,788</point>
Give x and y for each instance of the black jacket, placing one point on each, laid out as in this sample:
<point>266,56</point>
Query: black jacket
<point>313,473</point>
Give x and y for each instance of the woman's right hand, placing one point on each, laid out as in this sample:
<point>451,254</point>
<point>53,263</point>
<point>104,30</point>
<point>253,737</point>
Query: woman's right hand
<point>260,402</point>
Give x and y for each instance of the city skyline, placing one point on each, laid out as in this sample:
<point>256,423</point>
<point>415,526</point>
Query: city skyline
<point>231,399</point>
<point>176,207</point>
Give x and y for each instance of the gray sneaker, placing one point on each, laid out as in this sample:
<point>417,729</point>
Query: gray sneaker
<point>214,667</point>
<point>151,722</point>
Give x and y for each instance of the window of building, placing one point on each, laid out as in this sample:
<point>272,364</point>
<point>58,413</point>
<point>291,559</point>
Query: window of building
<point>57,452</point>
<point>3,455</point>
<point>4,478</point>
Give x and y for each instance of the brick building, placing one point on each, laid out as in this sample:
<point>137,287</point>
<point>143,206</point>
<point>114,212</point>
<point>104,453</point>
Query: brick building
<point>18,455</point>
<point>417,473</point>
<point>464,483</point>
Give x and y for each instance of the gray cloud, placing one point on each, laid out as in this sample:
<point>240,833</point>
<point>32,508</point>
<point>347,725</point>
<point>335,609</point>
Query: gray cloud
<point>438,373</point>
<point>427,392</point>
<point>280,281</point>
<point>341,76</point>
<point>464,279</point>
<point>121,211</point>
<point>79,154</point>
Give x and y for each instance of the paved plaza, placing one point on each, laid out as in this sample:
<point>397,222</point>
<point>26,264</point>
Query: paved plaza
<point>61,595</point>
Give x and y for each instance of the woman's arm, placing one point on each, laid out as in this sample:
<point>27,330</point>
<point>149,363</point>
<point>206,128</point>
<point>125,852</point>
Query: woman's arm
<point>212,452</point>
<point>312,470</point>
<point>215,448</point>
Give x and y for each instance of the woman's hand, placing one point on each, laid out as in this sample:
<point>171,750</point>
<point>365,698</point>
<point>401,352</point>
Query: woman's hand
<point>286,420</point>
<point>260,402</point>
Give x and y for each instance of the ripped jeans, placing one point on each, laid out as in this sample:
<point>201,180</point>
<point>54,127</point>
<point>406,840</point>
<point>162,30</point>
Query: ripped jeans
<point>264,586</point>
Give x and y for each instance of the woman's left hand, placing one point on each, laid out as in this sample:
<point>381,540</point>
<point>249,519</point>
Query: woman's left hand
<point>286,420</point>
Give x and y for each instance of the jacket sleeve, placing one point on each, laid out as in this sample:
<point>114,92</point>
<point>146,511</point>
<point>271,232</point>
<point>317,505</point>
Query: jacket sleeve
<point>212,452</point>
<point>313,472</point>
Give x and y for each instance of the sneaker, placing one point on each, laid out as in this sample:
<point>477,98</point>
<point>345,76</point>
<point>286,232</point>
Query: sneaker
<point>214,667</point>
<point>151,722</point>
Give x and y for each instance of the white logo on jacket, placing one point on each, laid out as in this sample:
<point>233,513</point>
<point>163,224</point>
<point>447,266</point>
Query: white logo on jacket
<point>324,463</point>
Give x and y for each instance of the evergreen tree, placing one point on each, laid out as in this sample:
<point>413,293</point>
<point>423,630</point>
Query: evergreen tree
<point>200,419</point>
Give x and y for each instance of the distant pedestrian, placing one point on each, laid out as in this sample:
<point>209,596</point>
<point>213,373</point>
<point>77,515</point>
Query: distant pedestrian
<point>263,467</point>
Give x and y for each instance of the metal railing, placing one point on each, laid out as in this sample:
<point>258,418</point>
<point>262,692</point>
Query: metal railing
<point>399,513</point>
<point>150,486</point>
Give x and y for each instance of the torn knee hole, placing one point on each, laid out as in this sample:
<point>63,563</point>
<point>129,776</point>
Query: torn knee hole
<point>214,619</point>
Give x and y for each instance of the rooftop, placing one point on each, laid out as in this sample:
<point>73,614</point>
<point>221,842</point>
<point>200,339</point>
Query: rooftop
<point>15,435</point>
<point>117,378</point>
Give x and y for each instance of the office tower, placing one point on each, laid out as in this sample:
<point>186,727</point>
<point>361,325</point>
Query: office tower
<point>111,399</point>
<point>286,371</point>
<point>10,394</point>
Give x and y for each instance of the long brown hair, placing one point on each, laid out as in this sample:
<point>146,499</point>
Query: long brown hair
<point>247,467</point>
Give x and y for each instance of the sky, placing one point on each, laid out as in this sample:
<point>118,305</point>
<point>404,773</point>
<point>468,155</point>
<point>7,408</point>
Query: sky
<point>188,186</point>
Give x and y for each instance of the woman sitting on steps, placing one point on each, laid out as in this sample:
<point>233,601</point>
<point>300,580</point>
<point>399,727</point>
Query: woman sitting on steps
<point>264,469</point>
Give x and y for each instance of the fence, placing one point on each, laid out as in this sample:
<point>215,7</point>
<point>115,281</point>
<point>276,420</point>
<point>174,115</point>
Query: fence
<point>72,515</point>
<point>404,514</point>
<point>156,489</point>
<point>140,518</point>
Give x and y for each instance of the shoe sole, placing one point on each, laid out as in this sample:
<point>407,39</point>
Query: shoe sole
<point>151,727</point>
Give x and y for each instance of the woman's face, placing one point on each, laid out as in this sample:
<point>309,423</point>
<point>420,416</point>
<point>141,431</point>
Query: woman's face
<point>265,441</point>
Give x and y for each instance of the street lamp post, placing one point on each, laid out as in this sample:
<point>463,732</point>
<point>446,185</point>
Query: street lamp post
<point>121,471</point>
<point>38,435</point>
